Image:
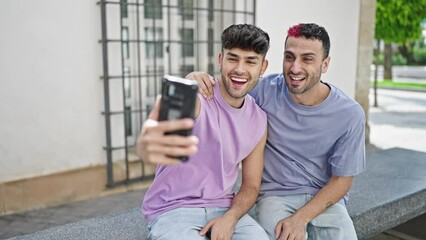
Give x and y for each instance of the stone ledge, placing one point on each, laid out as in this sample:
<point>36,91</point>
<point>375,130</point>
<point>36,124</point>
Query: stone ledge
<point>125,225</point>
<point>391,191</point>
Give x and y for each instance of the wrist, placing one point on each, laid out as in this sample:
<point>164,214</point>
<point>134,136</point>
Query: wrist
<point>232,215</point>
<point>303,216</point>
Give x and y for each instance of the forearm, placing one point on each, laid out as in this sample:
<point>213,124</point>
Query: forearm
<point>331,193</point>
<point>252,169</point>
<point>243,201</point>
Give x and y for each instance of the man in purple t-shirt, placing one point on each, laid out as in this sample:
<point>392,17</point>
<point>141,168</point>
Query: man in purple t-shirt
<point>188,200</point>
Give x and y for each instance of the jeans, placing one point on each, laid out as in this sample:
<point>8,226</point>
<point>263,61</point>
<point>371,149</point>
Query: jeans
<point>186,223</point>
<point>334,223</point>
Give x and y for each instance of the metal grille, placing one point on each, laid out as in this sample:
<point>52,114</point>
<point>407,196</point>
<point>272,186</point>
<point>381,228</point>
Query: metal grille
<point>141,41</point>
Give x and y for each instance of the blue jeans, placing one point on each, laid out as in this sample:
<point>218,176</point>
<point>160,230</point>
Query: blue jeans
<point>334,223</point>
<point>186,223</point>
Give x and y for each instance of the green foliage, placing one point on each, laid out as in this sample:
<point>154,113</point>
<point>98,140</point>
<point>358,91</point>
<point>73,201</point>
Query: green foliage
<point>398,21</point>
<point>397,59</point>
<point>400,85</point>
<point>420,56</point>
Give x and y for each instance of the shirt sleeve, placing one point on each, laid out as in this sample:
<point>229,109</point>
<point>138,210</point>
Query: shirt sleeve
<point>255,91</point>
<point>349,153</point>
<point>260,91</point>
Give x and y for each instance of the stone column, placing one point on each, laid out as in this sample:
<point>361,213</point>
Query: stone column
<point>365,56</point>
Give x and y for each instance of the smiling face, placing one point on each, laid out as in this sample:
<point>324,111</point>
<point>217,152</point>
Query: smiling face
<point>303,64</point>
<point>240,72</point>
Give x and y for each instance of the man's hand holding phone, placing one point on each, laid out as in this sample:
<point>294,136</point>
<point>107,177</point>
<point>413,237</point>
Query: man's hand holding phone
<point>154,146</point>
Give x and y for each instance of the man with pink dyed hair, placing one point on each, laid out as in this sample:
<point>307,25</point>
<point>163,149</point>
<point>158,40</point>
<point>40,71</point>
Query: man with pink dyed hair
<point>315,143</point>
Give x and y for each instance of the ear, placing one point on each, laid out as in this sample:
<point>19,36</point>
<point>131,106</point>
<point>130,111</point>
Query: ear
<point>264,66</point>
<point>220,59</point>
<point>325,64</point>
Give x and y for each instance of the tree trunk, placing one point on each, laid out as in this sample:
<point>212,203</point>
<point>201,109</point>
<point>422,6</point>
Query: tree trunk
<point>387,64</point>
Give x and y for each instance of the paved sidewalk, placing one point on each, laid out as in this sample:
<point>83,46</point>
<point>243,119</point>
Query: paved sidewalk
<point>400,120</point>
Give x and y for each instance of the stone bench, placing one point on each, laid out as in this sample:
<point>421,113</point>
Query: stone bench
<point>392,191</point>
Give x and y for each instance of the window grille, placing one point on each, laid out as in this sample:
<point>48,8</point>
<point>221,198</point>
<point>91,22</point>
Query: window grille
<point>141,41</point>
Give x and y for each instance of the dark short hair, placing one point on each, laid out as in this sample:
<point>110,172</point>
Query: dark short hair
<point>245,37</point>
<point>311,31</point>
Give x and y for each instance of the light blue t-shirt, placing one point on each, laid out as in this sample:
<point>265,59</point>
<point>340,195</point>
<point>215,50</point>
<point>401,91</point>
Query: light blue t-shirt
<point>227,135</point>
<point>307,144</point>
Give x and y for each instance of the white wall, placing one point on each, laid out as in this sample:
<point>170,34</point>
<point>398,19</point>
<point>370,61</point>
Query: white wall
<point>50,92</point>
<point>340,19</point>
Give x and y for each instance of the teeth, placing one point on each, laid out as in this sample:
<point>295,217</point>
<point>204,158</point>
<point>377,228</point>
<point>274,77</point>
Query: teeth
<point>297,78</point>
<point>238,79</point>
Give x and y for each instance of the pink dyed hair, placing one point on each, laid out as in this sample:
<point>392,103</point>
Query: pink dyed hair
<point>294,31</point>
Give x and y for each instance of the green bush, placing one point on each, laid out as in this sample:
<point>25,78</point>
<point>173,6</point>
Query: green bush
<point>397,59</point>
<point>419,55</point>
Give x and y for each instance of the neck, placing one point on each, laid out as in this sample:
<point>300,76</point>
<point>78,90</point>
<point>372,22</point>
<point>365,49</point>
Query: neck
<point>231,101</point>
<point>314,96</point>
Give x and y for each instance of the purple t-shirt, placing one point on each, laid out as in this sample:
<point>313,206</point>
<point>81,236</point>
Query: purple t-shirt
<point>227,135</point>
<point>306,145</point>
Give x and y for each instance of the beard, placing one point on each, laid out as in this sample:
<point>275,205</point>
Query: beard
<point>227,83</point>
<point>310,81</point>
<point>300,90</point>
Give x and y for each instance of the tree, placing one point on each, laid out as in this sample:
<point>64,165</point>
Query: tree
<point>398,21</point>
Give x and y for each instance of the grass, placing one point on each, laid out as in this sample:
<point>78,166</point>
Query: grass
<point>401,85</point>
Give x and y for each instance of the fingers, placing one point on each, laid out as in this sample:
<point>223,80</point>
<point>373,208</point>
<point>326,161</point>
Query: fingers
<point>283,233</point>
<point>174,125</point>
<point>203,89</point>
<point>155,147</point>
<point>172,146</point>
<point>212,81</point>
<point>166,161</point>
<point>278,230</point>
<point>206,228</point>
<point>280,233</point>
<point>165,149</point>
<point>155,112</point>
<point>206,86</point>
<point>205,83</point>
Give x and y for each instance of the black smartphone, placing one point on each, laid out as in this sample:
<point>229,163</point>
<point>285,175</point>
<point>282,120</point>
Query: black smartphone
<point>178,96</point>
